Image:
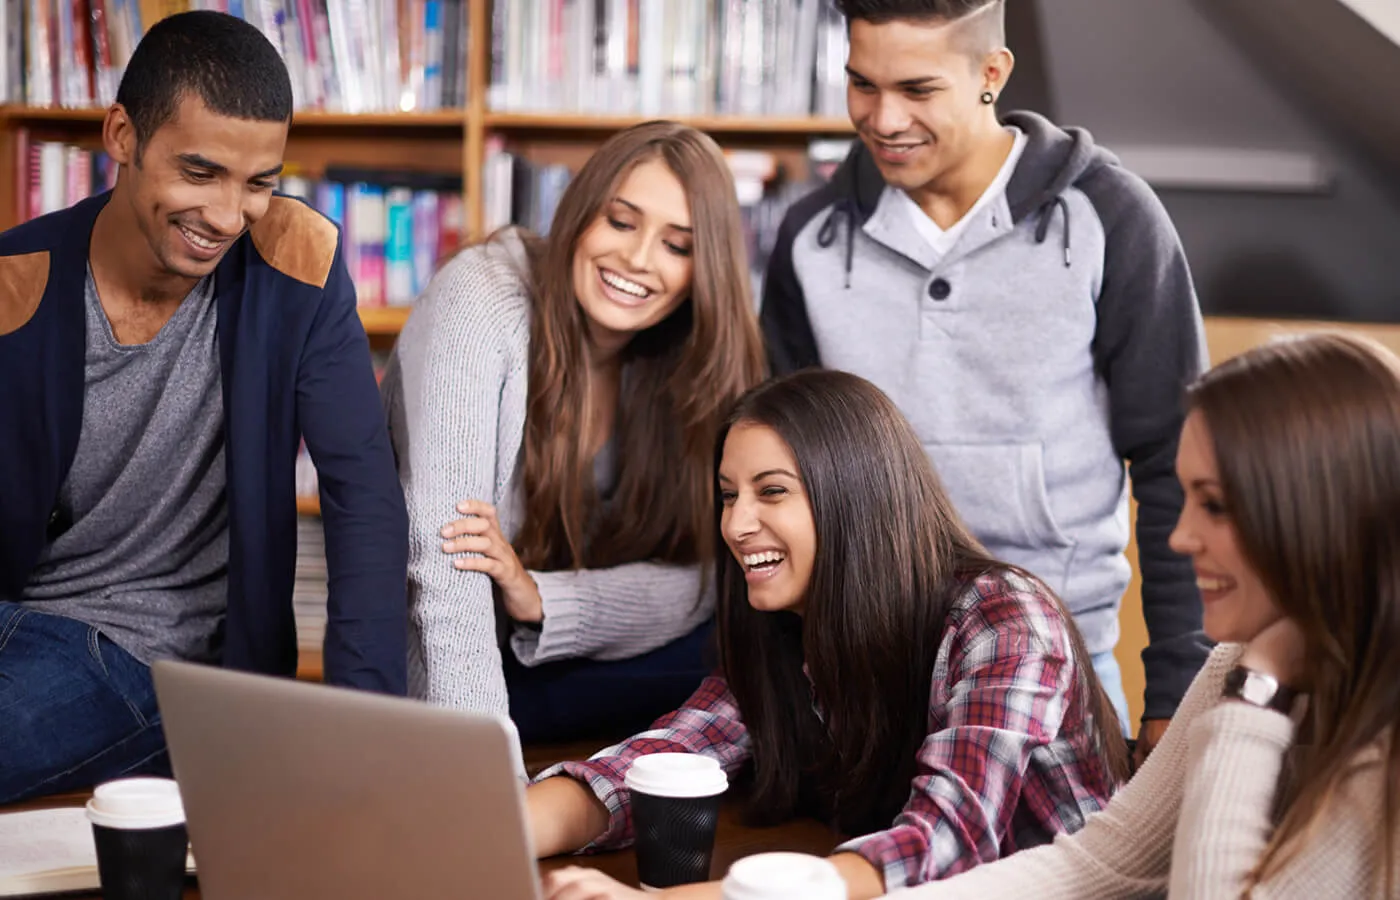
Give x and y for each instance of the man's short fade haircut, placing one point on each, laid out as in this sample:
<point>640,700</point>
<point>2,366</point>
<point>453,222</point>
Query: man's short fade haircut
<point>984,21</point>
<point>221,59</point>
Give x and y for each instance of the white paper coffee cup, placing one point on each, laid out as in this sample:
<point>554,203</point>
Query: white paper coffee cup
<point>677,775</point>
<point>136,803</point>
<point>784,876</point>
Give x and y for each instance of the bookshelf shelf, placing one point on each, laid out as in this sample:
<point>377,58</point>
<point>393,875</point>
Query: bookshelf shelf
<point>308,505</point>
<point>734,125</point>
<point>384,320</point>
<point>444,118</point>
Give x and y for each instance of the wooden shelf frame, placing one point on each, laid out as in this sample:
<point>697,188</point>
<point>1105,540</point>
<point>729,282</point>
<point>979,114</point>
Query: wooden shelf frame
<point>384,320</point>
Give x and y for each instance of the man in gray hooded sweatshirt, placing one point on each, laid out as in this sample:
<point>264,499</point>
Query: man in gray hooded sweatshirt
<point>1026,302</point>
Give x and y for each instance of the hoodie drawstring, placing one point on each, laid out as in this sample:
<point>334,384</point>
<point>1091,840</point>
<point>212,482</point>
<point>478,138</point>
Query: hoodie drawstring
<point>1047,212</point>
<point>826,235</point>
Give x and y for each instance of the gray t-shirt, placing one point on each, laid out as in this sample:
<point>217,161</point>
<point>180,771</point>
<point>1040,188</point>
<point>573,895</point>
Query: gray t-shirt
<point>145,556</point>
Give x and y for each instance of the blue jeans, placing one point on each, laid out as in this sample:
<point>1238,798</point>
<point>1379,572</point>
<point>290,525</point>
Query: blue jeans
<point>1111,677</point>
<point>582,698</point>
<point>75,709</point>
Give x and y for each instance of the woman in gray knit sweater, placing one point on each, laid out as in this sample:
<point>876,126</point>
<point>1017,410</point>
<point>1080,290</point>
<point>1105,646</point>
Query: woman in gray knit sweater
<point>1279,776</point>
<point>553,404</point>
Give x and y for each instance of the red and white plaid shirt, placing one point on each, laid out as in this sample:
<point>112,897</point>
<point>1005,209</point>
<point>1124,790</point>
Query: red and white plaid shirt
<point>998,772</point>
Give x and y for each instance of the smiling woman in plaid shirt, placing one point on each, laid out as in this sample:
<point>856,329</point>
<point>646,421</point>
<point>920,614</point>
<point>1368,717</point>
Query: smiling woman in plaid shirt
<point>878,669</point>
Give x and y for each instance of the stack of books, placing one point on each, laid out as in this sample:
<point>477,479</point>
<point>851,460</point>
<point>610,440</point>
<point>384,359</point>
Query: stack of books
<point>398,226</point>
<point>347,55</point>
<point>310,587</point>
<point>55,175</point>
<point>668,57</point>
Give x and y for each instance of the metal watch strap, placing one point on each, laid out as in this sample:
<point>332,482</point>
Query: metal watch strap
<point>1259,689</point>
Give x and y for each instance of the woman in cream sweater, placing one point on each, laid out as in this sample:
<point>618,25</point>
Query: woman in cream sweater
<point>1278,776</point>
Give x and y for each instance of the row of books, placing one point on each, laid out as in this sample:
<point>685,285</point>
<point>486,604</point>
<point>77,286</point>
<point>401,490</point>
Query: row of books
<point>669,57</point>
<point>310,584</point>
<point>348,55</point>
<point>397,226</point>
<point>57,175</point>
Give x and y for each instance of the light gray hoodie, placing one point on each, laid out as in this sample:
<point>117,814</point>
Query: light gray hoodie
<point>1050,344</point>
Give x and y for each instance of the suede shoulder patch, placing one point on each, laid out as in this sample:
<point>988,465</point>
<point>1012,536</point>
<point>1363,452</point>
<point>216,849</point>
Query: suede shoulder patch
<point>296,240</point>
<point>23,279</point>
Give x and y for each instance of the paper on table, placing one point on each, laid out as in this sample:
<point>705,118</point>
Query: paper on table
<point>48,851</point>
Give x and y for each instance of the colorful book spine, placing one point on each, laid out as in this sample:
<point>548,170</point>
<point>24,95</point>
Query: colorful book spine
<point>398,247</point>
<point>427,216</point>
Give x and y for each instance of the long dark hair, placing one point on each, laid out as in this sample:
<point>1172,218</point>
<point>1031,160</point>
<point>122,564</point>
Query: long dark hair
<point>1307,441</point>
<point>892,557</point>
<point>679,376</point>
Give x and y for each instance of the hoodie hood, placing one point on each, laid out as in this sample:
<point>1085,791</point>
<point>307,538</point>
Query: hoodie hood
<point>1054,159</point>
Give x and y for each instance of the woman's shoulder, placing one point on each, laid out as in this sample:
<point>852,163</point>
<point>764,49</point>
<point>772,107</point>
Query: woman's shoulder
<point>483,286</point>
<point>1005,595</point>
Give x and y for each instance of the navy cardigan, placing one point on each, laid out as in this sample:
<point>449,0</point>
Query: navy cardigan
<point>294,362</point>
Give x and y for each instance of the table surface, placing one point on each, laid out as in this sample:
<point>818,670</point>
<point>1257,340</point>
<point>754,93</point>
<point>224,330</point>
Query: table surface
<point>733,841</point>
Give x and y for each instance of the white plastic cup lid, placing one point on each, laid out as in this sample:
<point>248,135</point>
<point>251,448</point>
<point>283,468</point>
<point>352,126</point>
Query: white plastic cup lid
<point>783,876</point>
<point>136,803</point>
<point>682,775</point>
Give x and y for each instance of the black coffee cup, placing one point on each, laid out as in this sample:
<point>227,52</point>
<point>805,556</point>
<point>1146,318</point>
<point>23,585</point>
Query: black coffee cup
<point>675,811</point>
<point>138,828</point>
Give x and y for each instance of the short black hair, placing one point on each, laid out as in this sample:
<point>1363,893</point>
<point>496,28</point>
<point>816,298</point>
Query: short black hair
<point>985,34</point>
<point>221,59</point>
<point>878,12</point>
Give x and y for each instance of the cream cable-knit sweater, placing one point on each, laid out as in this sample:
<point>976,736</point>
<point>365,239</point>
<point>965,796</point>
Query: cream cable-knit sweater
<point>1196,818</point>
<point>454,391</point>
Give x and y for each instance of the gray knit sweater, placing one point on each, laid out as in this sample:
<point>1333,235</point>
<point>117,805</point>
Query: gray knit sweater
<point>454,392</point>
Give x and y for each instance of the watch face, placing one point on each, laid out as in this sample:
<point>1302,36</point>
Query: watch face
<point>1258,689</point>
<point>1255,688</point>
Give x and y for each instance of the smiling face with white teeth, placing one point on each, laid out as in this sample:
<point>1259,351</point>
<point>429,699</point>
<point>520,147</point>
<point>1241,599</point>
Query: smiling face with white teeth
<point>1236,604</point>
<point>766,518</point>
<point>913,92</point>
<point>197,184</point>
<point>632,267</point>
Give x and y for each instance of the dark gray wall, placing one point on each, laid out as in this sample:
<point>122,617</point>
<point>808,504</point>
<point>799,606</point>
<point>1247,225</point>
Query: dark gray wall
<point>1168,73</point>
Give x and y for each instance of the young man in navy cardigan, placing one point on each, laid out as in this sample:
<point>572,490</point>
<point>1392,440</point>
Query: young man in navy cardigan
<point>163,349</point>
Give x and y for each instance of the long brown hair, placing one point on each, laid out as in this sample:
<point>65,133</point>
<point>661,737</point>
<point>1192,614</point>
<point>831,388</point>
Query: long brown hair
<point>1307,440</point>
<point>892,558</point>
<point>679,376</point>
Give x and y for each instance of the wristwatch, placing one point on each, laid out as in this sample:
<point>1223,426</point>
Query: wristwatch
<point>1259,689</point>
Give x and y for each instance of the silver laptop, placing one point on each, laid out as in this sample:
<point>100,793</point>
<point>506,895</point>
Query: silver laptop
<point>297,790</point>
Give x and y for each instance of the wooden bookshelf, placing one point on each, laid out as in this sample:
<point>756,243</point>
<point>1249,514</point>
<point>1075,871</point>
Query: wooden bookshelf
<point>384,320</point>
<point>452,141</point>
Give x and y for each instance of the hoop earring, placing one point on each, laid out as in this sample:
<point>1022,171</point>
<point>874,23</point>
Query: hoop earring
<point>988,98</point>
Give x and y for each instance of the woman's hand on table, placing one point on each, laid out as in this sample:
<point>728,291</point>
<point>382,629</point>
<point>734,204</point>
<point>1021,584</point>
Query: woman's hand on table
<point>575,883</point>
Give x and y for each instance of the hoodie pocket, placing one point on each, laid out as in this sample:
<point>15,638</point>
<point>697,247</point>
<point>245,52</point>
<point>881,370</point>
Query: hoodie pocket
<point>1000,492</point>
